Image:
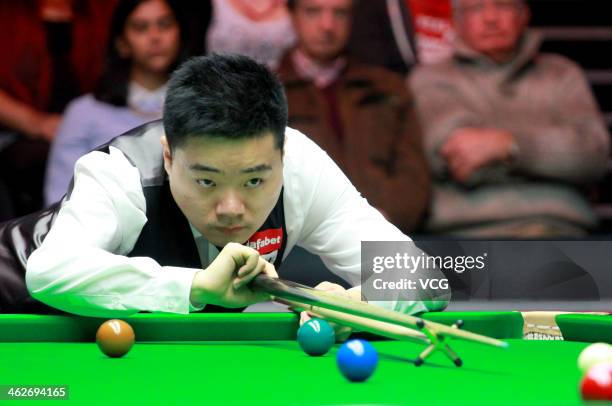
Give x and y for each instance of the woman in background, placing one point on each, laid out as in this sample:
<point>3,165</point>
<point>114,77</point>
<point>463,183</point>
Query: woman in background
<point>259,29</point>
<point>145,45</point>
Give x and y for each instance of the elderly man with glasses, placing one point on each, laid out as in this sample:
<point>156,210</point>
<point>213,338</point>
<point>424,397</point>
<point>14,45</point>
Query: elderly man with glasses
<point>512,134</point>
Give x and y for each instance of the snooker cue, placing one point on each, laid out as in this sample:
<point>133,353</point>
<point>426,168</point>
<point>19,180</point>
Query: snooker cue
<point>380,328</point>
<point>361,323</point>
<point>285,289</point>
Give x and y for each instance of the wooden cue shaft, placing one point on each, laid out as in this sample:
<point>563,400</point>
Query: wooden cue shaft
<point>304,294</point>
<point>361,323</point>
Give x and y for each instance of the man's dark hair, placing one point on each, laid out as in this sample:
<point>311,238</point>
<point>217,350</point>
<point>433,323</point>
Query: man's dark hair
<point>228,96</point>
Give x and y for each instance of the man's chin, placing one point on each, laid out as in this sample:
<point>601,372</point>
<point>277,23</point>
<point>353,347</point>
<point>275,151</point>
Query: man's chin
<point>325,55</point>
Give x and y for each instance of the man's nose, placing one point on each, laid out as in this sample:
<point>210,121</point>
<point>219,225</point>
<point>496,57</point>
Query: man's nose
<point>327,21</point>
<point>230,207</point>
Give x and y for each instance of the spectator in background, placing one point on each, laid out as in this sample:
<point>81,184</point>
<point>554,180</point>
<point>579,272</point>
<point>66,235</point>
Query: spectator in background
<point>361,115</point>
<point>50,54</point>
<point>259,29</point>
<point>382,34</point>
<point>511,133</point>
<point>144,47</point>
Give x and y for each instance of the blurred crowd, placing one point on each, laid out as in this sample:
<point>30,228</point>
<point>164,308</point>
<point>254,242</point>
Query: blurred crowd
<point>445,114</point>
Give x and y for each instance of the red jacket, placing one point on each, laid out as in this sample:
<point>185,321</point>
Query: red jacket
<point>25,71</point>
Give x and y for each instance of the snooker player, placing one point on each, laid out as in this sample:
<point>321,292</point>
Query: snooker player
<point>180,215</point>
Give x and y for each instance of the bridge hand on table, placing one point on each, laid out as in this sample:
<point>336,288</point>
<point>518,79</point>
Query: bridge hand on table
<point>342,332</point>
<point>225,281</point>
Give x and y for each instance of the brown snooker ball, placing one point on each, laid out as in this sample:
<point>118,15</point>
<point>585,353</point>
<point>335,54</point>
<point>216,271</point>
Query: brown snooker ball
<point>115,338</point>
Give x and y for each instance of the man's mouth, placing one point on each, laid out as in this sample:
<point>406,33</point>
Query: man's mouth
<point>231,230</point>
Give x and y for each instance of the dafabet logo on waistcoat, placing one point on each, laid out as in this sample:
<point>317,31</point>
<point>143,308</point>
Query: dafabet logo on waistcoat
<point>267,243</point>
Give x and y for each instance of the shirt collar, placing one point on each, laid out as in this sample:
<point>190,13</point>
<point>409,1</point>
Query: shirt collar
<point>321,76</point>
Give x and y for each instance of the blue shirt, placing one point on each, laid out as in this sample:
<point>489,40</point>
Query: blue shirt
<point>86,124</point>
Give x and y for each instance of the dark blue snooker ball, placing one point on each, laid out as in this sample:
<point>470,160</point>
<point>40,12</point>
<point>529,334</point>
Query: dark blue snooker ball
<point>357,360</point>
<point>316,337</point>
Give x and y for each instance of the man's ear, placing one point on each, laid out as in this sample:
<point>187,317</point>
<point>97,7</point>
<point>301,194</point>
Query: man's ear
<point>283,151</point>
<point>167,153</point>
<point>293,18</point>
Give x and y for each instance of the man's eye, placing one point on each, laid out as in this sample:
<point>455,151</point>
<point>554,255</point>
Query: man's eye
<point>251,183</point>
<point>206,183</point>
<point>311,11</point>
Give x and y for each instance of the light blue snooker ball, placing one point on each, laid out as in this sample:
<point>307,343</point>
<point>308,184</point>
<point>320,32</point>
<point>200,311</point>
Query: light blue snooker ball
<point>357,360</point>
<point>316,337</point>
